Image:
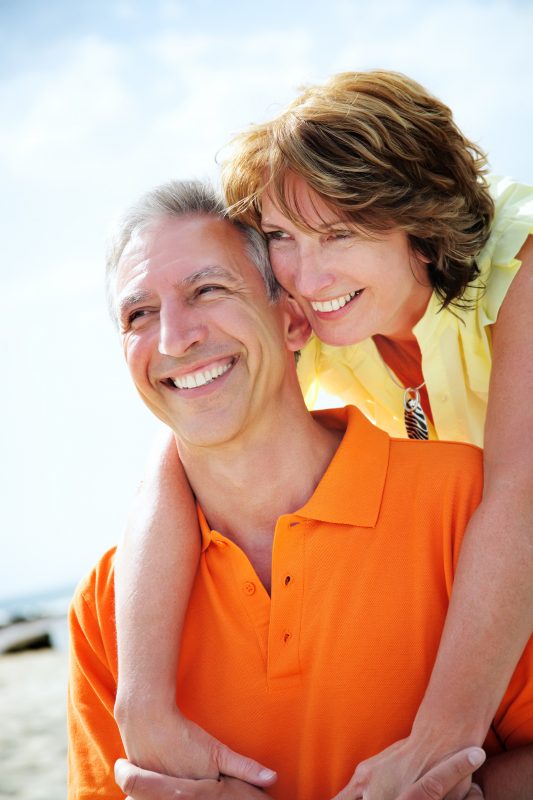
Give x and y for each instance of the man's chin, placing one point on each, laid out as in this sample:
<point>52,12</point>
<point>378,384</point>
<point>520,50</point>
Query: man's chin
<point>208,429</point>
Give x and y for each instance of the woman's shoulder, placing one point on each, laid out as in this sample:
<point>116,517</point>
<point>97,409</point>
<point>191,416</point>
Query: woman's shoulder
<point>513,222</point>
<point>497,262</point>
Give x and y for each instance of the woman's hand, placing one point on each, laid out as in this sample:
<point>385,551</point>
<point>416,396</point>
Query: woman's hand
<point>173,745</point>
<point>140,784</point>
<point>436,784</point>
<point>394,774</point>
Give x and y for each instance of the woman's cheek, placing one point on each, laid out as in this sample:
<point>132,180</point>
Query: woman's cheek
<point>281,264</point>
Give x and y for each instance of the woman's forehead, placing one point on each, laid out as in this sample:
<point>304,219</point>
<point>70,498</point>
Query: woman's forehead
<point>296,199</point>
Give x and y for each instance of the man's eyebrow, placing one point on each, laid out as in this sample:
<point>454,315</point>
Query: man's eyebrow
<point>130,300</point>
<point>209,272</point>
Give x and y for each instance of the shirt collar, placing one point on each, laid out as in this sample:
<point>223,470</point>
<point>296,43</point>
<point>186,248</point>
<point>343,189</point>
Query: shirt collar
<point>351,489</point>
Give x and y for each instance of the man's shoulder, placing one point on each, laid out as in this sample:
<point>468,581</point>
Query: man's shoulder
<point>95,593</point>
<point>446,472</point>
<point>440,452</point>
<point>392,473</point>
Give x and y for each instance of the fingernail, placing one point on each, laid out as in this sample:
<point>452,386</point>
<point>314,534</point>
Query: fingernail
<point>267,774</point>
<point>476,757</point>
<point>477,789</point>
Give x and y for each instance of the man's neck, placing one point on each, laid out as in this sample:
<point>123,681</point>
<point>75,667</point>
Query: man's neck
<point>244,485</point>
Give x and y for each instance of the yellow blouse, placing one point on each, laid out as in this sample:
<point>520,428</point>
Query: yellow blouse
<point>456,347</point>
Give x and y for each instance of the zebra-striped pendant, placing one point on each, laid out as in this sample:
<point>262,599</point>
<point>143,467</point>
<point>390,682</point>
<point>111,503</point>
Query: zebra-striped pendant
<point>415,420</point>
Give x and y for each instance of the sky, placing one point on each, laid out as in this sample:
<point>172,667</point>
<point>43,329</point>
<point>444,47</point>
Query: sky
<point>100,101</point>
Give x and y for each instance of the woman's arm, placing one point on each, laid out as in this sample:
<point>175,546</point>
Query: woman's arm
<point>491,612</point>
<point>155,569</point>
<point>490,617</point>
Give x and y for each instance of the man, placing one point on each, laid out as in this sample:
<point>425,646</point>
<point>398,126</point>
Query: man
<point>322,586</point>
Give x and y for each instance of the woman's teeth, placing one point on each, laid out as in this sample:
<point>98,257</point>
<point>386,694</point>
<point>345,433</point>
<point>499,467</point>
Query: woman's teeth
<point>200,378</point>
<point>335,304</point>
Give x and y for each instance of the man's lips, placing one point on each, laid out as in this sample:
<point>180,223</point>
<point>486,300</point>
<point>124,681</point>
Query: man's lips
<point>201,376</point>
<point>335,304</point>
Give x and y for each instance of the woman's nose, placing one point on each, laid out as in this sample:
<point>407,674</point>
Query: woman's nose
<point>313,275</point>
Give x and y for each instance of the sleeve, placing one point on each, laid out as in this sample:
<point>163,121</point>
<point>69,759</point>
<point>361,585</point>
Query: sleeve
<point>94,739</point>
<point>513,223</point>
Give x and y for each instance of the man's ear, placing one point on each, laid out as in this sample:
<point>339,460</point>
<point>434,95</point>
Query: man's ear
<point>297,328</point>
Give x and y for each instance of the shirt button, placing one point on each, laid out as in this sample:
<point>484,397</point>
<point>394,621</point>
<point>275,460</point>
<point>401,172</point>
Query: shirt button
<point>286,636</point>
<point>248,587</point>
<point>287,580</point>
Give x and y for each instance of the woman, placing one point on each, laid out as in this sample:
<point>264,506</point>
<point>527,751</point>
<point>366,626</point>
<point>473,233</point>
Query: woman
<point>380,223</point>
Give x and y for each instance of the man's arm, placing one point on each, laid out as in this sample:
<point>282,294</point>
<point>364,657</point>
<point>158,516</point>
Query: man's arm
<point>94,738</point>
<point>508,776</point>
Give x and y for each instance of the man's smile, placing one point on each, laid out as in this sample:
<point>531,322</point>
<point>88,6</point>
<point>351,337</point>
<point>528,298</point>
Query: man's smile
<point>204,375</point>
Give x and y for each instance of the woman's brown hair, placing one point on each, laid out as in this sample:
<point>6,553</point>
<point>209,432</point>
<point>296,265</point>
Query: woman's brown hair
<point>382,152</point>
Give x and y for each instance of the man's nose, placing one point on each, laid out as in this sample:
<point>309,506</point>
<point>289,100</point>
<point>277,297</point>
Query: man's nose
<point>179,330</point>
<point>313,275</point>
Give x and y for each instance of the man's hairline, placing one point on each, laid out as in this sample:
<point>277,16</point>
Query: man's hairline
<point>158,218</point>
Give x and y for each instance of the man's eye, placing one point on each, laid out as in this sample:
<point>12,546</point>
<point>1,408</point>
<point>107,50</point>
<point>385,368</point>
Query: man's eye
<point>209,289</point>
<point>135,318</point>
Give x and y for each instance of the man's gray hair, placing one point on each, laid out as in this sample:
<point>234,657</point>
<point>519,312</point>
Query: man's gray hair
<point>178,199</point>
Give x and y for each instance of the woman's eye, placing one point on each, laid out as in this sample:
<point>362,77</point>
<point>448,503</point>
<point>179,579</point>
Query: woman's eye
<point>338,235</point>
<point>275,236</point>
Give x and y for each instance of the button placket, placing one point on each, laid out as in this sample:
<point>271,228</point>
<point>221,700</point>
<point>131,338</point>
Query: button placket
<point>250,591</point>
<point>286,602</point>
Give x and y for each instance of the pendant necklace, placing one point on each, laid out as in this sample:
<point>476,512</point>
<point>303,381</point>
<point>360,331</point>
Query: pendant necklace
<point>415,420</point>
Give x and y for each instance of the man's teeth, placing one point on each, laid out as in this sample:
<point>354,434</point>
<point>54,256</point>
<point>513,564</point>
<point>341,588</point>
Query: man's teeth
<point>201,377</point>
<point>333,305</point>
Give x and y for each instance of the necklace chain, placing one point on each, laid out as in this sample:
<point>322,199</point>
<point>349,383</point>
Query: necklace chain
<point>401,385</point>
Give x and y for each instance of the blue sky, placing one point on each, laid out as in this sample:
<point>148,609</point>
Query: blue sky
<point>101,100</point>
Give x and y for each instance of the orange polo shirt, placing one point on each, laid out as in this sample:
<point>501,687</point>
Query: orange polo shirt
<point>331,668</point>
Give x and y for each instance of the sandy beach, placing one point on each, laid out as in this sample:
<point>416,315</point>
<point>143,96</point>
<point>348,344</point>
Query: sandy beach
<point>33,741</point>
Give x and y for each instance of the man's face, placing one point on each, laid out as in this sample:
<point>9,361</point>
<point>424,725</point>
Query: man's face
<point>205,347</point>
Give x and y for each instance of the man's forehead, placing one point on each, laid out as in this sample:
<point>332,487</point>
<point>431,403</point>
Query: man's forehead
<point>184,251</point>
<point>169,235</point>
<point>190,243</point>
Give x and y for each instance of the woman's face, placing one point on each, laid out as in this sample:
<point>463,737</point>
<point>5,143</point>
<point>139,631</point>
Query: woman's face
<point>349,287</point>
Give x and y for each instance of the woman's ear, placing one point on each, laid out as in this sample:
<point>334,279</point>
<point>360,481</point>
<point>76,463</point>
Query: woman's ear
<point>297,328</point>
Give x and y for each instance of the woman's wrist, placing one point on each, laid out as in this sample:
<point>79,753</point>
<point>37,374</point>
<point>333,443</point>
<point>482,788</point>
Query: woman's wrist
<point>132,708</point>
<point>437,732</point>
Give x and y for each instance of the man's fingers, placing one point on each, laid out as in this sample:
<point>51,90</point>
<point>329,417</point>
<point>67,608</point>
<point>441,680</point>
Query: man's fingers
<point>245,769</point>
<point>442,778</point>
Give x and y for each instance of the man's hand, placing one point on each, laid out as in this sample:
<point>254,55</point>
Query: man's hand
<point>141,784</point>
<point>453,774</point>
<point>173,745</point>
